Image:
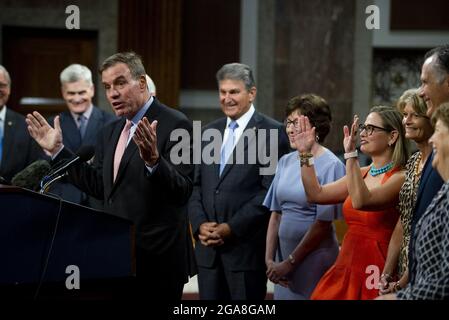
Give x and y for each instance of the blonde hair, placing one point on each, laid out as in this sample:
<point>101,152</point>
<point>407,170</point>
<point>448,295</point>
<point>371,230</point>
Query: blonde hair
<point>392,121</point>
<point>412,96</point>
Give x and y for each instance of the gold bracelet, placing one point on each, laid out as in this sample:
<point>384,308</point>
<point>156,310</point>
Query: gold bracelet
<point>306,162</point>
<point>397,287</point>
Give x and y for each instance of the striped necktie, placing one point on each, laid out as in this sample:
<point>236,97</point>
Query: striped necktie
<point>82,121</point>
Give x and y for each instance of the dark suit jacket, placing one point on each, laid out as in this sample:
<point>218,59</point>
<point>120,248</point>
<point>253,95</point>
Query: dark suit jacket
<point>156,202</point>
<point>236,198</point>
<point>19,149</point>
<point>429,186</point>
<point>72,140</point>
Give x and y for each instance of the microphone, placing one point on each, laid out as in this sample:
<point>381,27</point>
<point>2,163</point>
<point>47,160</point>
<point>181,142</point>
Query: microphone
<point>31,176</point>
<point>82,155</point>
<point>4,181</point>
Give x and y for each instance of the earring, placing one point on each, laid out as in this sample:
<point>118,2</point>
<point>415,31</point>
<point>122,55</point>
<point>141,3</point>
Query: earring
<point>317,138</point>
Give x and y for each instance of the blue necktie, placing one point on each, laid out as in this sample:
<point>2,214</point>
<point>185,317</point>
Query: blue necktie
<point>82,120</point>
<point>228,146</point>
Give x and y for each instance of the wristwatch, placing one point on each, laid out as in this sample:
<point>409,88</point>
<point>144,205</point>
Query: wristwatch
<point>353,154</point>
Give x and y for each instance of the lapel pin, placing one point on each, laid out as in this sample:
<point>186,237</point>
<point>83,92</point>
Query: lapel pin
<point>10,123</point>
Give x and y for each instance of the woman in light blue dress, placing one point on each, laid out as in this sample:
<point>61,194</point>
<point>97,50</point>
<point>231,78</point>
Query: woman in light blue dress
<point>301,241</point>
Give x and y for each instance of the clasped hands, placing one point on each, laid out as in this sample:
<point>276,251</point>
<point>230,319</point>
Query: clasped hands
<point>212,234</point>
<point>277,271</point>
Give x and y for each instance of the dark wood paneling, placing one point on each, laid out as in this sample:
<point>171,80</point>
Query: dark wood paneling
<point>35,58</point>
<point>211,38</point>
<point>419,15</point>
<point>152,29</point>
<point>314,54</point>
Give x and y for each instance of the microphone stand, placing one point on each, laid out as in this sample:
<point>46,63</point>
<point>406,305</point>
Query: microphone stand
<point>47,184</point>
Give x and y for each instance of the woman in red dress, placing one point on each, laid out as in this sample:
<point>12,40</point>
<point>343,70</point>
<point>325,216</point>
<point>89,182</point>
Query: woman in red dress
<point>370,197</point>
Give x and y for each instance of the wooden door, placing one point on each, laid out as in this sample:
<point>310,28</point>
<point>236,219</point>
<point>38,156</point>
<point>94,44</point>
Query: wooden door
<point>35,57</point>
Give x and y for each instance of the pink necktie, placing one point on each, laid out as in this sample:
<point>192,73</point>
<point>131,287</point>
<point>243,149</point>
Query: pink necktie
<point>121,146</point>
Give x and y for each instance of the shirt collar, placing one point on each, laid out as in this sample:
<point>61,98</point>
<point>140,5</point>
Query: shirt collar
<point>142,111</point>
<point>3,114</point>
<point>244,119</point>
<point>86,113</point>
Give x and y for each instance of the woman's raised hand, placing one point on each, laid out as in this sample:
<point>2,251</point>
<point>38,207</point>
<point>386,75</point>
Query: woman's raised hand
<point>305,136</point>
<point>350,137</point>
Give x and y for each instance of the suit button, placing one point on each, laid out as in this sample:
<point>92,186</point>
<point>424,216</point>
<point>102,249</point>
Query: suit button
<point>110,201</point>
<point>217,191</point>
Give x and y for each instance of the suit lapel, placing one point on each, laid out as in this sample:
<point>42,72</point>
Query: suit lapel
<point>8,138</point>
<point>93,125</point>
<point>253,124</point>
<point>220,126</point>
<point>71,134</point>
<point>425,176</point>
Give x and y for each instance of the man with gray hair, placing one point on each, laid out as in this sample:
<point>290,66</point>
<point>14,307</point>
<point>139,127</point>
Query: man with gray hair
<point>133,171</point>
<point>225,209</point>
<point>80,124</point>
<point>435,78</point>
<point>17,148</point>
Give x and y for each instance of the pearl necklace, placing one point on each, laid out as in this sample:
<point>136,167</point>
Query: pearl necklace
<point>373,171</point>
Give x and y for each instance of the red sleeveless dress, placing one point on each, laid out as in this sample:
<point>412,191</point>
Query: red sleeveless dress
<point>356,272</point>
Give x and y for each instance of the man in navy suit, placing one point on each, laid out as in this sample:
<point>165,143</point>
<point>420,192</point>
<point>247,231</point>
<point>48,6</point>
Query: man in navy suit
<point>134,173</point>
<point>226,212</point>
<point>17,148</point>
<point>434,90</point>
<point>80,125</point>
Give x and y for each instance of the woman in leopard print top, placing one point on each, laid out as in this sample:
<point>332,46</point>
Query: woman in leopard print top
<point>419,129</point>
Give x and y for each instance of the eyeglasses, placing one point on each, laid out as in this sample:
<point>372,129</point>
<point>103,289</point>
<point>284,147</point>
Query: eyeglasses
<point>288,123</point>
<point>369,128</point>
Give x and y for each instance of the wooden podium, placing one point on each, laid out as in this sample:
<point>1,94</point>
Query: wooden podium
<point>43,239</point>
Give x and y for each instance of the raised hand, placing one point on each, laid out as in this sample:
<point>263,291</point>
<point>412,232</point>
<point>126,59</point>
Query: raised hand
<point>49,138</point>
<point>305,137</point>
<point>146,140</point>
<point>350,137</point>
